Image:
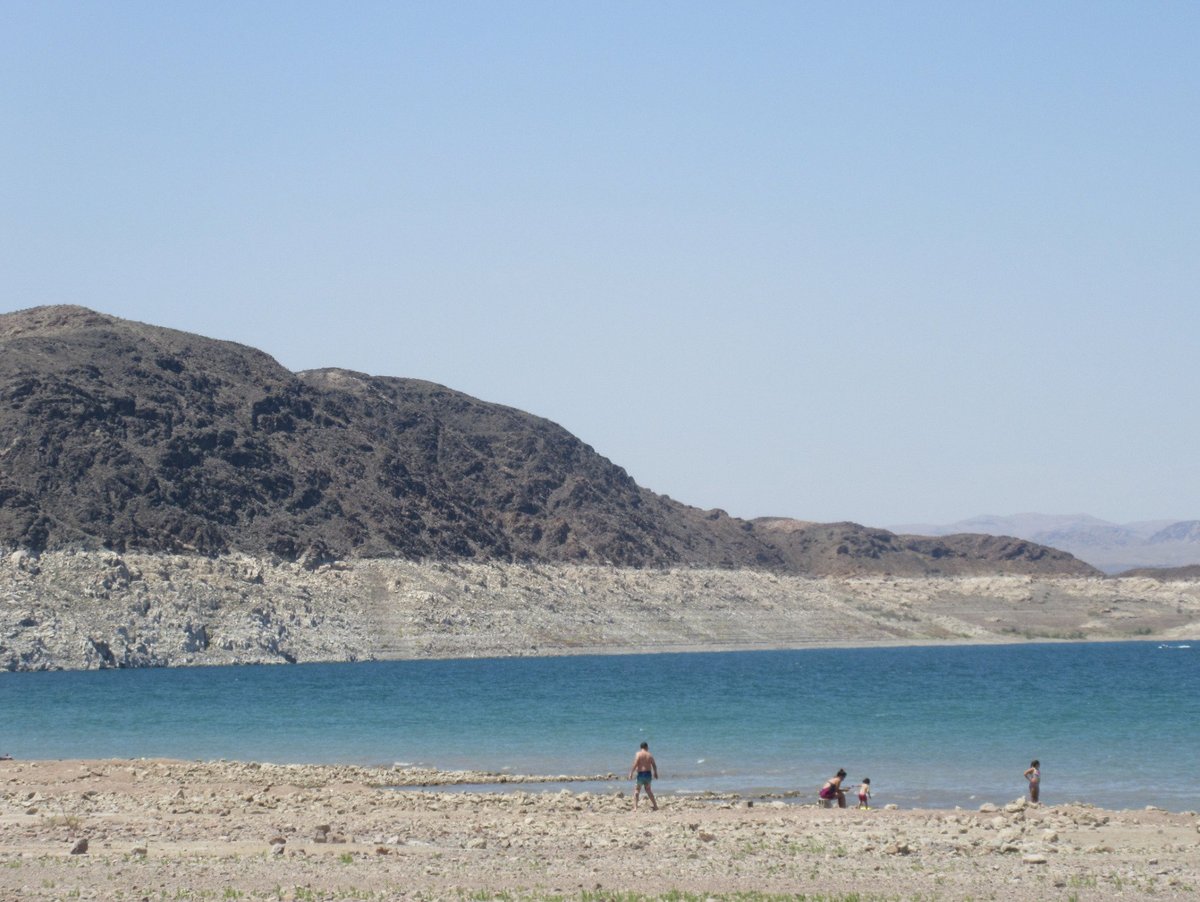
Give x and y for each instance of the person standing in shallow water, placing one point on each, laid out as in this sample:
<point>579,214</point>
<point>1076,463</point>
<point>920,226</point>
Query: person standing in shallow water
<point>646,769</point>
<point>1034,775</point>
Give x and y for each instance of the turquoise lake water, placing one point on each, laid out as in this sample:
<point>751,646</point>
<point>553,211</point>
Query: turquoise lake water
<point>1116,724</point>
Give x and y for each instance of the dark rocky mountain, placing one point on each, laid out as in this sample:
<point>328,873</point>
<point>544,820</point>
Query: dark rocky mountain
<point>845,549</point>
<point>121,435</point>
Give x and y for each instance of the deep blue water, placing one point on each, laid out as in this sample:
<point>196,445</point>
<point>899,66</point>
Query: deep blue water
<point>1113,724</point>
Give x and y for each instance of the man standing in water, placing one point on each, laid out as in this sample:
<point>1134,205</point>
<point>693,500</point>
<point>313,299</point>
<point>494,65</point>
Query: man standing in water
<point>646,769</point>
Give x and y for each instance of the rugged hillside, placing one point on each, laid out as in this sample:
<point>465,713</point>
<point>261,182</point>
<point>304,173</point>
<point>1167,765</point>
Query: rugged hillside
<point>844,549</point>
<point>124,436</point>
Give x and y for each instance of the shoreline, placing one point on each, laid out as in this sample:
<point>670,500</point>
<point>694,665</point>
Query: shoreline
<point>692,648</point>
<point>203,830</point>
<point>94,610</point>
<point>406,777</point>
<point>662,648</point>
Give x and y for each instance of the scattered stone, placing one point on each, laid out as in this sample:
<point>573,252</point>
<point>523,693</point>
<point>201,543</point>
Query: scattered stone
<point>80,847</point>
<point>1033,858</point>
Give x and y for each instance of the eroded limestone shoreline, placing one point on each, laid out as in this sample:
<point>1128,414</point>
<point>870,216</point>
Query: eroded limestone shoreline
<point>99,609</point>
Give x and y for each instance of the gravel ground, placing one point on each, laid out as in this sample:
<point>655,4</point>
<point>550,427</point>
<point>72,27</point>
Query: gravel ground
<point>160,829</point>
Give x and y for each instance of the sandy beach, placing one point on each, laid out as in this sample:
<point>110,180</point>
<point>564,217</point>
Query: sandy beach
<point>155,829</point>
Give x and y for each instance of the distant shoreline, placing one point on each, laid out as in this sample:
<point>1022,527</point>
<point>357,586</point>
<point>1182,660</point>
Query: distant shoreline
<point>833,643</point>
<point>93,610</point>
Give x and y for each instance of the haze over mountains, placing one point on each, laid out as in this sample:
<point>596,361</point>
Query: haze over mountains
<point>1111,547</point>
<point>126,436</point>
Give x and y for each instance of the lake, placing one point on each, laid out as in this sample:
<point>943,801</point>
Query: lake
<point>1114,724</point>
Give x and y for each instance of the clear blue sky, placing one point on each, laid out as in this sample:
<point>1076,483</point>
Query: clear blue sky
<point>886,262</point>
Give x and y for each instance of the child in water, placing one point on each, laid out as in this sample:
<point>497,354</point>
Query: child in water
<point>864,793</point>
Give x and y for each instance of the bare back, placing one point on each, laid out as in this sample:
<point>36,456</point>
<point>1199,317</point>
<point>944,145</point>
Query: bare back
<point>644,761</point>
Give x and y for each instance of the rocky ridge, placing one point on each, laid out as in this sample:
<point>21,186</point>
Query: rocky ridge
<point>130,437</point>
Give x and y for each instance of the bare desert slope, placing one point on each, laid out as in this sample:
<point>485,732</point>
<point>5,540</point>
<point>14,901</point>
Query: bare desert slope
<point>131,437</point>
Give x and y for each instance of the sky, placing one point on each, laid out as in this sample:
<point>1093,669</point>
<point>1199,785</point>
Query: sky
<point>889,262</point>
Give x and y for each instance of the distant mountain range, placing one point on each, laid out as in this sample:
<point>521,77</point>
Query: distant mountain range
<point>1111,547</point>
<point>130,437</point>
